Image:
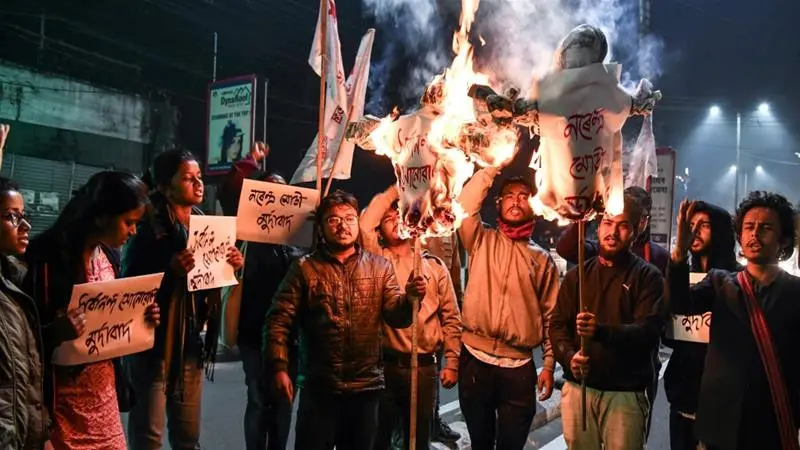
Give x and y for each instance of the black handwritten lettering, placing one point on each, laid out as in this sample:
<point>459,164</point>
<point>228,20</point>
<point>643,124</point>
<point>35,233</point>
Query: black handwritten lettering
<point>202,239</point>
<point>269,220</point>
<point>101,337</point>
<point>410,176</point>
<point>295,199</point>
<point>133,300</point>
<point>201,280</point>
<point>585,126</point>
<point>96,302</point>
<point>587,164</point>
<point>260,197</point>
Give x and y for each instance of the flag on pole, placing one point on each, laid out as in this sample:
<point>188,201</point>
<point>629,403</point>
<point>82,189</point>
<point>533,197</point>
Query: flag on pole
<point>342,97</point>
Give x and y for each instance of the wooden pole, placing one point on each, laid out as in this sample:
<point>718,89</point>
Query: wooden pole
<point>323,49</point>
<point>412,423</point>
<point>581,278</point>
<point>338,149</point>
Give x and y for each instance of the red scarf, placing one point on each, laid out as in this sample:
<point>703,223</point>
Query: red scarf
<point>769,358</point>
<point>516,232</point>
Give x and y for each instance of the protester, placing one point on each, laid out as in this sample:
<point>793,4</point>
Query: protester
<point>231,186</point>
<point>713,246</point>
<point>266,423</point>
<point>340,296</point>
<point>168,379</point>
<point>749,390</point>
<point>81,248</point>
<point>20,347</point>
<point>439,326</point>
<point>623,319</point>
<point>510,296</point>
<point>642,247</point>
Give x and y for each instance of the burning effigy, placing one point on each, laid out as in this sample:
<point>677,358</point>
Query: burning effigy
<point>434,149</point>
<point>578,110</point>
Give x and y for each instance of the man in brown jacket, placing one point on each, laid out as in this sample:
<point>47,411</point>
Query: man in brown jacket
<point>510,296</point>
<point>340,296</point>
<point>439,323</point>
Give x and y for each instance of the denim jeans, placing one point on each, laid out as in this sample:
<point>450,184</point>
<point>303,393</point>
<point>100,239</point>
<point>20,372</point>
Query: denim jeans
<point>265,422</point>
<point>614,420</point>
<point>154,404</point>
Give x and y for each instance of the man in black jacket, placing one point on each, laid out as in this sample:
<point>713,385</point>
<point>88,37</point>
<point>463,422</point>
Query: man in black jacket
<point>340,296</point>
<point>625,296</point>
<point>713,247</point>
<point>749,394</point>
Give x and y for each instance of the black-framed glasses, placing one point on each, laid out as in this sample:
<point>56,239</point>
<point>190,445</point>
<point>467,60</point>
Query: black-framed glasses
<point>16,218</point>
<point>335,221</point>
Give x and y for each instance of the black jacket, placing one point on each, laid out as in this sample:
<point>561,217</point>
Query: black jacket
<point>341,309</point>
<point>264,268</point>
<point>685,368</point>
<point>627,300</point>
<point>734,410</point>
<point>23,417</point>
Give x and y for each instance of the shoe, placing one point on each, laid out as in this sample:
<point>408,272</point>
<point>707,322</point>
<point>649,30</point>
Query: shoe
<point>443,433</point>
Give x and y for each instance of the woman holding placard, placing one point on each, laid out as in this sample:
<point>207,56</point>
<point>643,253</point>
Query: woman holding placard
<point>168,379</point>
<point>80,248</point>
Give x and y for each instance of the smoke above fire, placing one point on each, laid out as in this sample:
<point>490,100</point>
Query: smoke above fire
<point>520,36</point>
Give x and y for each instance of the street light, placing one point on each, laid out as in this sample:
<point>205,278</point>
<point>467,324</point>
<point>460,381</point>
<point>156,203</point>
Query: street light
<point>714,111</point>
<point>763,108</point>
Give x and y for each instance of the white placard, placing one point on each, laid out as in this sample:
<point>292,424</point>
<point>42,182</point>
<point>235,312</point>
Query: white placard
<point>276,213</point>
<point>210,237</point>
<point>115,324</point>
<point>696,328</point>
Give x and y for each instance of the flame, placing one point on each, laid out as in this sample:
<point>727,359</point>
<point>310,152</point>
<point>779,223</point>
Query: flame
<point>455,135</point>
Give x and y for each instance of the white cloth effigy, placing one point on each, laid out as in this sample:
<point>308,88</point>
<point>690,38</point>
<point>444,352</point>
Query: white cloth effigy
<point>581,114</point>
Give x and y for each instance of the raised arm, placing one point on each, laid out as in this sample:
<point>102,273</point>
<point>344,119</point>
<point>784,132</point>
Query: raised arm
<point>471,198</point>
<point>281,318</point>
<point>371,217</point>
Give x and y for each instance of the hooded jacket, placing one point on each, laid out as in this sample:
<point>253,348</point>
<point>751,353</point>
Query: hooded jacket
<point>23,417</point>
<point>685,368</point>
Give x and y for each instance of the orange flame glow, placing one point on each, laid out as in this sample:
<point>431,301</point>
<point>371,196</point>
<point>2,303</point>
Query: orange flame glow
<point>455,137</point>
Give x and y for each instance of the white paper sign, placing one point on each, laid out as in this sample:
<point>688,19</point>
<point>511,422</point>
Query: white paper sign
<point>115,324</point>
<point>695,328</point>
<point>210,237</point>
<point>276,213</point>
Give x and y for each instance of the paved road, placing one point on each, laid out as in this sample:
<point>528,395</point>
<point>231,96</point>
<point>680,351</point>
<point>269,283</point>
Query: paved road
<point>224,402</point>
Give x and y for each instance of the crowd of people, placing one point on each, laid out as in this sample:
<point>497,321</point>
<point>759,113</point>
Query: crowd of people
<point>335,322</point>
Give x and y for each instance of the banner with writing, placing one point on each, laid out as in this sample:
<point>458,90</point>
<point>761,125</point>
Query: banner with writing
<point>210,237</point>
<point>662,190</point>
<point>276,213</point>
<point>115,324</point>
<point>695,328</point>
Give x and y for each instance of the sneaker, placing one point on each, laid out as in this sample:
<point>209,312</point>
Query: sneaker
<point>443,433</point>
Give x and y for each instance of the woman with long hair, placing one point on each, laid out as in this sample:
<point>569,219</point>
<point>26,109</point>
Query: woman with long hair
<point>81,247</point>
<point>168,379</point>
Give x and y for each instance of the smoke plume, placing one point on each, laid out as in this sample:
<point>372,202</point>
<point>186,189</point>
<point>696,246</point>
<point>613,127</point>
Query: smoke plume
<point>521,37</point>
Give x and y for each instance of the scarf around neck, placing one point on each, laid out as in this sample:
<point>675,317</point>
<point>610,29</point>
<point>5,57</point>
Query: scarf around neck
<point>516,232</point>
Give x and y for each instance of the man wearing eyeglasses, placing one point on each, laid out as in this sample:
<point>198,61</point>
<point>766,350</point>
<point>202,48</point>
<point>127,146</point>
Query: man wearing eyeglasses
<point>439,325</point>
<point>340,296</point>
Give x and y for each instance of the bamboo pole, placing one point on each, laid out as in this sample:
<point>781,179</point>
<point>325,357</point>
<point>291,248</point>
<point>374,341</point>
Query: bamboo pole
<point>412,424</point>
<point>323,49</point>
<point>581,278</point>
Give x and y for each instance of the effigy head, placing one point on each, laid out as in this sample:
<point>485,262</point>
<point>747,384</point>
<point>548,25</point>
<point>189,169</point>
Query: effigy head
<point>584,45</point>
